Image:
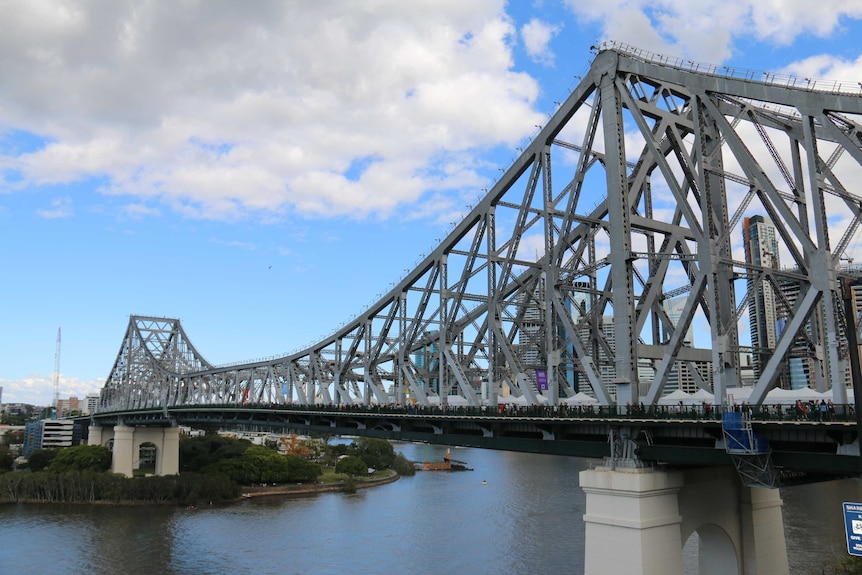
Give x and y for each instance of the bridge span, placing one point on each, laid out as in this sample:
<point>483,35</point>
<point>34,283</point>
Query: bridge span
<point>669,198</point>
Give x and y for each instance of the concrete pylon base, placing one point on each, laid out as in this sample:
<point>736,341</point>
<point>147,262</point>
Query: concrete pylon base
<point>638,520</point>
<point>632,522</point>
<point>168,462</point>
<point>122,460</point>
<point>763,543</point>
<point>94,435</point>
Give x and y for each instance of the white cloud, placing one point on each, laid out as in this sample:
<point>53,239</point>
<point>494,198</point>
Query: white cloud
<point>536,36</point>
<point>60,208</point>
<point>221,110</point>
<point>825,67</point>
<point>706,30</point>
<point>39,388</point>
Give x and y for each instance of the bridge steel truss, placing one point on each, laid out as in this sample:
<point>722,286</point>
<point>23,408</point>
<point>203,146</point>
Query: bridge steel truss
<point>556,281</point>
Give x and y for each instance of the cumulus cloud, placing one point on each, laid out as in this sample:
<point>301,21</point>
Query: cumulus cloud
<point>220,110</point>
<point>707,30</point>
<point>536,36</point>
<point>825,67</point>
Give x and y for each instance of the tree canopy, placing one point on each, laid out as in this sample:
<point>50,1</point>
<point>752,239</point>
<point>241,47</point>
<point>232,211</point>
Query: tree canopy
<point>6,459</point>
<point>262,465</point>
<point>376,453</point>
<point>352,465</point>
<point>40,459</point>
<point>82,458</point>
<point>196,453</point>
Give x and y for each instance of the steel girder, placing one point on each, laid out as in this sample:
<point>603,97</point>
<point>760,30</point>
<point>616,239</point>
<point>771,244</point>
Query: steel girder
<point>556,281</point>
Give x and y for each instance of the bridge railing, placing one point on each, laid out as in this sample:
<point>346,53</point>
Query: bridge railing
<point>809,412</point>
<point>775,79</point>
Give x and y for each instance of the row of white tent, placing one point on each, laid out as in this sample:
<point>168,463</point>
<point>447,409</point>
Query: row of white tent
<point>579,398</point>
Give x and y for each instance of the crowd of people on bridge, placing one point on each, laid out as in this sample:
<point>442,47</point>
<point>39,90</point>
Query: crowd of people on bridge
<point>800,411</point>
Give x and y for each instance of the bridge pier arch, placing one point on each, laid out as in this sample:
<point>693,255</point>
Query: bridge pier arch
<point>637,521</point>
<point>126,442</point>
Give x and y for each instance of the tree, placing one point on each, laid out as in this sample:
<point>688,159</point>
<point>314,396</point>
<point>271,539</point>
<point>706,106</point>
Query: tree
<point>7,460</point>
<point>352,465</point>
<point>82,458</point>
<point>196,453</point>
<point>293,445</point>
<point>403,466</point>
<point>376,453</point>
<point>301,469</point>
<point>40,459</point>
<point>261,465</point>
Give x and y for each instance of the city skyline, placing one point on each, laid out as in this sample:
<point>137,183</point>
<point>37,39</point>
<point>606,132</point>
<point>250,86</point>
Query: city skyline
<point>264,178</point>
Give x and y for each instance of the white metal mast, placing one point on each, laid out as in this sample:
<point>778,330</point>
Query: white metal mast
<point>56,376</point>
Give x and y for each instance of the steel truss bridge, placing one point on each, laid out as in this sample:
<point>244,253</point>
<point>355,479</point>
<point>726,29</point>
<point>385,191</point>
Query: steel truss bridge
<point>632,194</point>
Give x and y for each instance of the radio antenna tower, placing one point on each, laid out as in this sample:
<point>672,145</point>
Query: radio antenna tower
<point>56,377</point>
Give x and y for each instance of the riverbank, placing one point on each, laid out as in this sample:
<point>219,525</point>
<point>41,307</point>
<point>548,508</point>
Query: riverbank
<point>312,488</point>
<point>246,492</point>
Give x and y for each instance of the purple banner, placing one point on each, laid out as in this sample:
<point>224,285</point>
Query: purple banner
<point>541,380</point>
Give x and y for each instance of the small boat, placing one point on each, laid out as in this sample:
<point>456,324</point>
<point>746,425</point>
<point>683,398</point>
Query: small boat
<point>484,482</point>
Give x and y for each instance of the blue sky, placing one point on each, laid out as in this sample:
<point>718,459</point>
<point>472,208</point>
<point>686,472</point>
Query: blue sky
<point>263,171</point>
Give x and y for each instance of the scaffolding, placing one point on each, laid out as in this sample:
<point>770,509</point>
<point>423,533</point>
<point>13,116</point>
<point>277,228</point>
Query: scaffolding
<point>751,455</point>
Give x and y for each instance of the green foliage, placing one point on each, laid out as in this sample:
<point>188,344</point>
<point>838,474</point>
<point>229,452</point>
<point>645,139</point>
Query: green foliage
<point>848,565</point>
<point>352,465</point>
<point>197,453</point>
<point>12,437</point>
<point>81,458</point>
<point>332,453</point>
<point>316,447</point>
<point>261,465</point>
<point>7,460</point>
<point>350,485</point>
<point>40,459</point>
<point>376,453</point>
<point>25,415</point>
<point>302,469</point>
<point>403,466</point>
<point>89,486</point>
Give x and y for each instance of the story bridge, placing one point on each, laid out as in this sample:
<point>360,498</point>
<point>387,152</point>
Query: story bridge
<point>682,195</point>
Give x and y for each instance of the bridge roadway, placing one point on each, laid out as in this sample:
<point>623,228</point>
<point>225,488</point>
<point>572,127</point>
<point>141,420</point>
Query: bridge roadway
<point>803,449</point>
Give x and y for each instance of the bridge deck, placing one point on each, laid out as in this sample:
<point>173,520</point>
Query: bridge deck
<point>800,446</point>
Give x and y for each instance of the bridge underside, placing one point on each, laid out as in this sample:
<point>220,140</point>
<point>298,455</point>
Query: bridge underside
<point>801,453</point>
<point>593,276</point>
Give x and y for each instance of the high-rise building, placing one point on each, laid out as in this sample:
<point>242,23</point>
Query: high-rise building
<point>92,402</point>
<point>531,328</point>
<point>769,313</point>
<point>680,376</point>
<point>761,249</point>
<point>426,364</point>
<point>578,305</point>
<point>66,407</point>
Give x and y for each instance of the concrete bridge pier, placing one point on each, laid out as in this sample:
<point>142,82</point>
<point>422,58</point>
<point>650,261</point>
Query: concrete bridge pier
<point>128,443</point>
<point>638,520</point>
